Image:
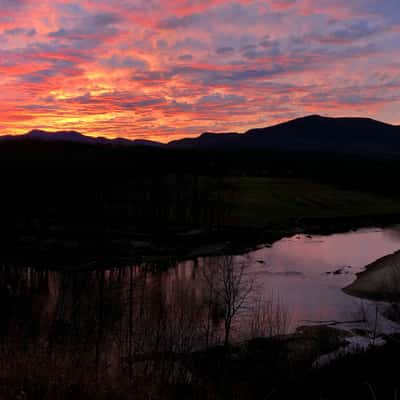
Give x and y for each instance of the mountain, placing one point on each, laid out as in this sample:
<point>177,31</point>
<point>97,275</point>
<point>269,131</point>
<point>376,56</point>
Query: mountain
<point>311,133</point>
<point>76,137</point>
<point>68,136</point>
<point>316,133</point>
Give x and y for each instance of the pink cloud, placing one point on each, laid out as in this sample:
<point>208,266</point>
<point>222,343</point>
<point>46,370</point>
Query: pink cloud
<point>164,69</point>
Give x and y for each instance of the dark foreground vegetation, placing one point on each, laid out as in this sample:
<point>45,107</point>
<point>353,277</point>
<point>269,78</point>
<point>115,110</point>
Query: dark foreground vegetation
<point>257,369</point>
<point>126,334</point>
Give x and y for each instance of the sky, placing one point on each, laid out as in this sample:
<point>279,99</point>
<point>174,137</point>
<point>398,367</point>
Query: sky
<point>164,69</point>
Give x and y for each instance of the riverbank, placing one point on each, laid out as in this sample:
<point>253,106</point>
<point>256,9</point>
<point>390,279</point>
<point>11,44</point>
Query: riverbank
<point>79,248</point>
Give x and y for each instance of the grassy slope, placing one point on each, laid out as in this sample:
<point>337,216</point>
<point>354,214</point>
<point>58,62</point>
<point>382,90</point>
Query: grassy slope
<point>258,201</point>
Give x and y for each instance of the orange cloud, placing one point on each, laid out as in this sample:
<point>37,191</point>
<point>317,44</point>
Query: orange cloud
<point>130,68</point>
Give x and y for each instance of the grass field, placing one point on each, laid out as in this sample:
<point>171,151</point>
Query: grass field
<point>258,201</point>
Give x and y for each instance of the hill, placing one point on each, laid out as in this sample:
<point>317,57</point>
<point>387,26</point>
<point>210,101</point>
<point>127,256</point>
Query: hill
<point>74,137</point>
<point>312,133</point>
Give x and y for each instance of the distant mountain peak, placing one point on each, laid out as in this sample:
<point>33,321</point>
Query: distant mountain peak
<point>313,117</point>
<point>76,137</point>
<point>41,134</point>
<point>309,133</point>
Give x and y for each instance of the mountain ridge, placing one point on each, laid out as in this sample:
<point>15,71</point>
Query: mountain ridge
<point>75,137</point>
<point>309,133</point>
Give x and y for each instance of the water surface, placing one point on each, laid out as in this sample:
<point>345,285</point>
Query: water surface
<point>308,272</point>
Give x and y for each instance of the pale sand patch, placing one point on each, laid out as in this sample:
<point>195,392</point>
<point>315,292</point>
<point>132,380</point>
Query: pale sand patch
<point>380,280</point>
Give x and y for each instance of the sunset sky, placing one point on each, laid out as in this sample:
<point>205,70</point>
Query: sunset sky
<point>161,69</point>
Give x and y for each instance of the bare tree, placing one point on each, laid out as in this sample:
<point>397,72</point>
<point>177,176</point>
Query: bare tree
<point>229,288</point>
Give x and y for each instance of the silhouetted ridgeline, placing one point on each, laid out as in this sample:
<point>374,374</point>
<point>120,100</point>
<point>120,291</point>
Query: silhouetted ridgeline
<point>312,133</point>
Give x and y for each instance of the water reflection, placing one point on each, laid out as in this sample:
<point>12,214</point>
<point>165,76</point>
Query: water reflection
<point>310,271</point>
<point>126,320</point>
<point>112,319</point>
